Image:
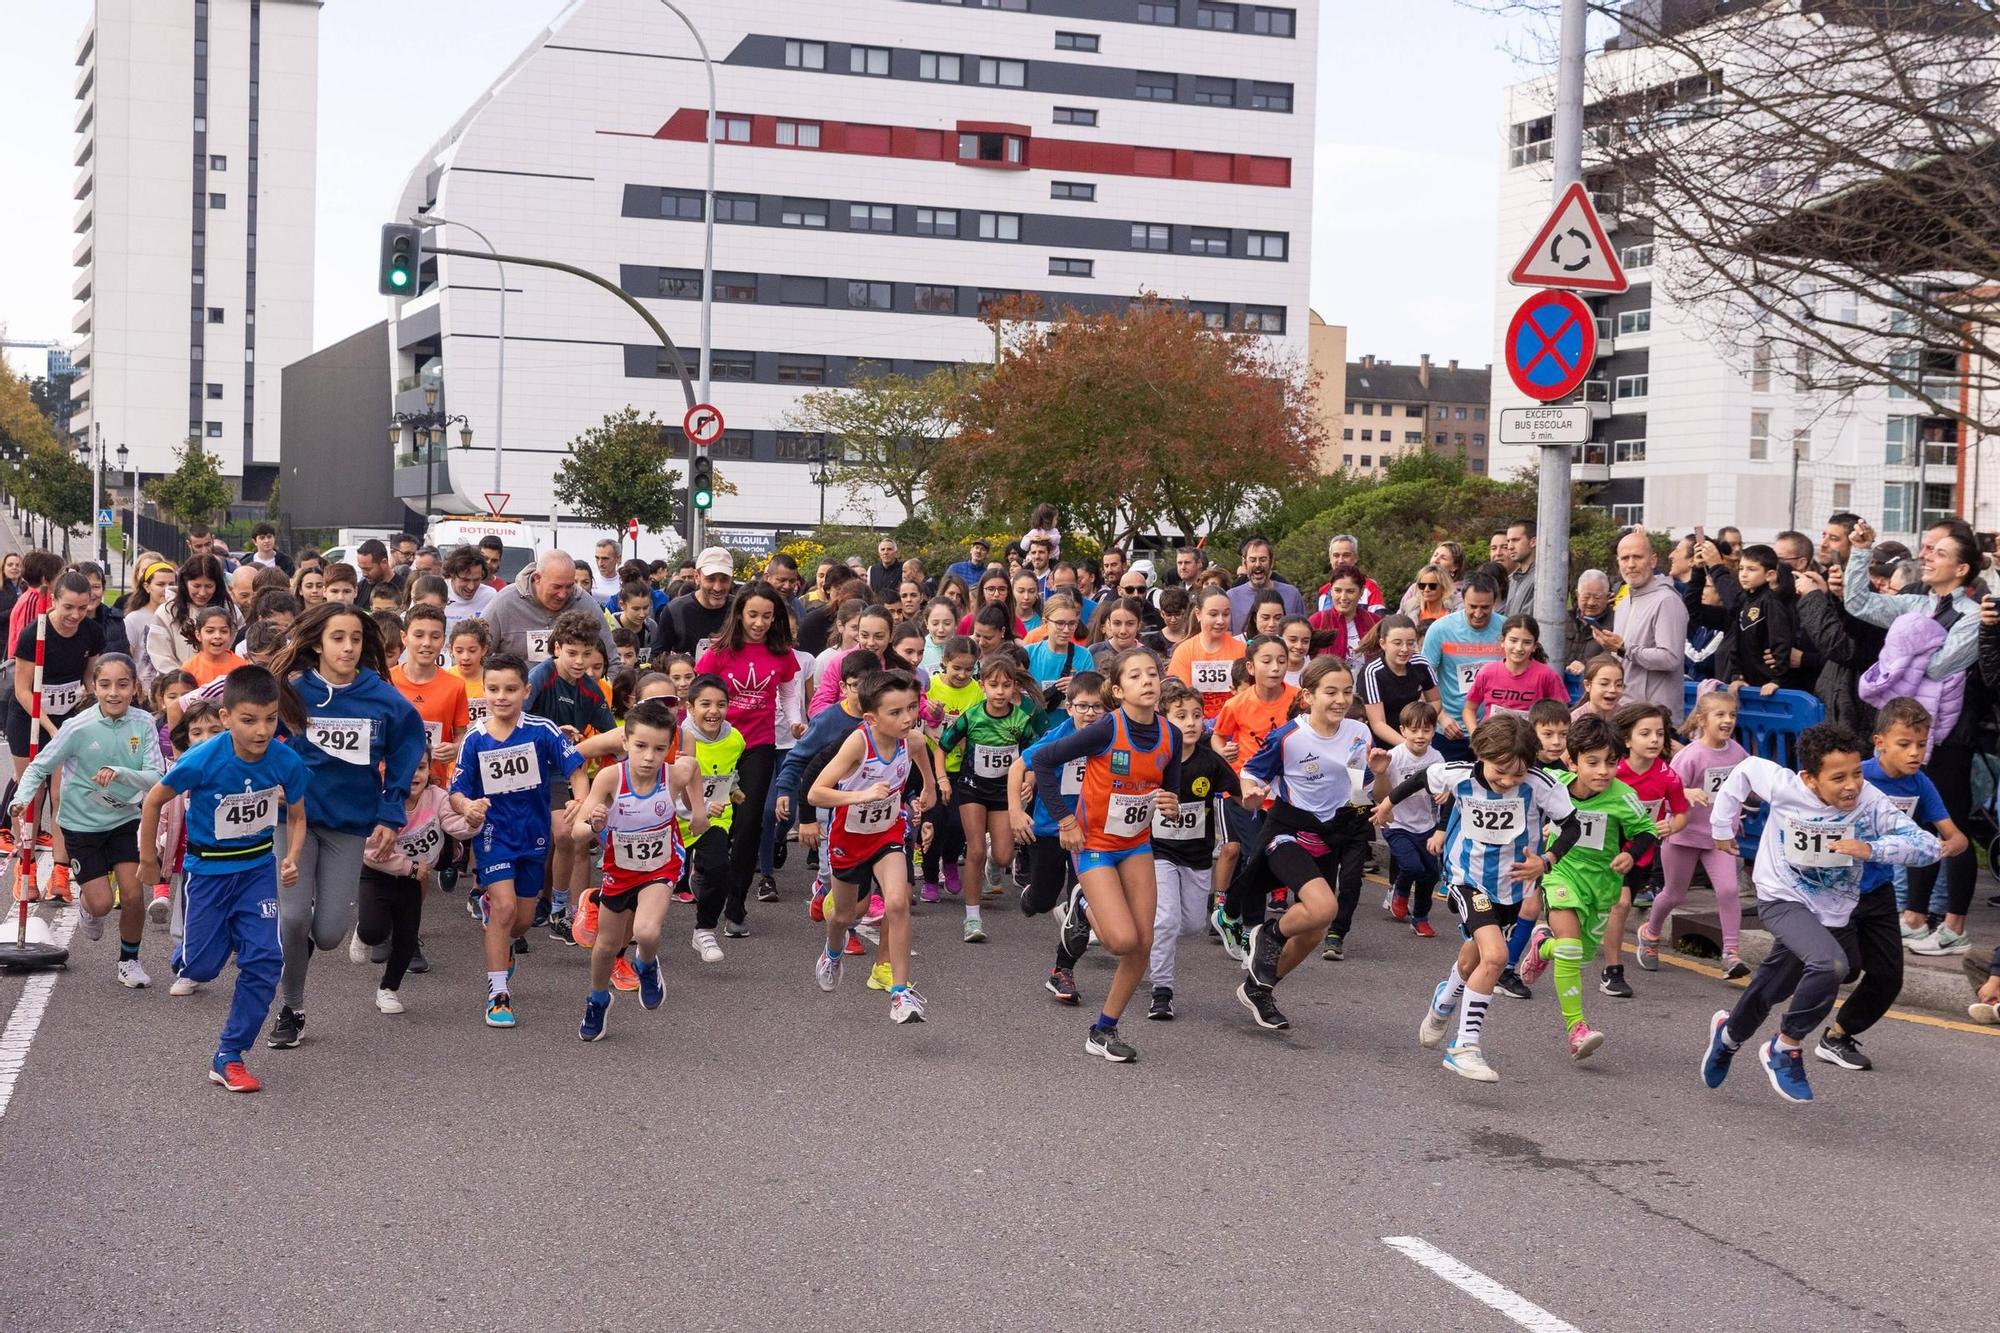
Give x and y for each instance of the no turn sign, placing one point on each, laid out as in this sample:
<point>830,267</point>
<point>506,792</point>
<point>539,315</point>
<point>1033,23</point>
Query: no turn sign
<point>702,424</point>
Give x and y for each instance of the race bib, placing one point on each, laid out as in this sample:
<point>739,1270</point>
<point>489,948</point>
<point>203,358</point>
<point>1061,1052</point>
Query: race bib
<point>716,787</point>
<point>1590,826</point>
<point>992,761</point>
<point>1359,785</point>
<point>1188,824</point>
<point>642,851</point>
<point>513,768</point>
<point>1495,823</point>
<point>1713,778</point>
<point>475,711</point>
<point>423,845</point>
<point>433,735</point>
<point>345,738</point>
<point>537,643</point>
<point>872,816</point>
<point>1810,846</point>
<point>60,699</point>
<point>1658,810</point>
<point>1907,804</point>
<point>1466,671</point>
<point>1211,677</point>
<point>1129,815</point>
<point>1072,777</point>
<point>701,648</point>
<point>248,814</point>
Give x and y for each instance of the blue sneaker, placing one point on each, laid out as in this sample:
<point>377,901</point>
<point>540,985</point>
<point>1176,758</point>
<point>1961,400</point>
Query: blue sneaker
<point>652,994</point>
<point>1787,1071</point>
<point>594,1009</point>
<point>500,1011</point>
<point>1715,1059</point>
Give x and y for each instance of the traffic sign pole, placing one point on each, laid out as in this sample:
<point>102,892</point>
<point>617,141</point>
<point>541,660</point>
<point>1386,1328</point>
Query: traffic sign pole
<point>1553,497</point>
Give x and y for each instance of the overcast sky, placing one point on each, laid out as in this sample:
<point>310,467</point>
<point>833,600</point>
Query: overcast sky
<point>1407,159</point>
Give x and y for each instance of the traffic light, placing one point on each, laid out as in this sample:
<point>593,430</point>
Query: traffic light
<point>402,257</point>
<point>701,483</point>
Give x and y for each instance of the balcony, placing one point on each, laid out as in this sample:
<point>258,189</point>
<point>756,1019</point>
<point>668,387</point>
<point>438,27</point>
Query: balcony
<point>84,115</point>
<point>84,217</point>
<point>80,321</point>
<point>85,151</point>
<point>86,43</point>
<point>80,289</point>
<point>1590,461</point>
<point>85,180</point>
<point>85,77</point>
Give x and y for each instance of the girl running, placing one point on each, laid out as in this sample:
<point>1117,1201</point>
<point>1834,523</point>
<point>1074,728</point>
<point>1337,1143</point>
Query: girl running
<point>1204,658</point>
<point>66,647</point>
<point>1702,767</point>
<point>391,906</point>
<point>1184,843</point>
<point>994,733</point>
<point>953,693</point>
<point>753,656</point>
<point>1642,733</point>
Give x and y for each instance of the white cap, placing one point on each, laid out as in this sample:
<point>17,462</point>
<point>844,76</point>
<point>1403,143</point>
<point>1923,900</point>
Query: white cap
<point>715,560</point>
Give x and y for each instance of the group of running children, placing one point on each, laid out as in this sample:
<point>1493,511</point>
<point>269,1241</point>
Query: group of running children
<point>317,795</point>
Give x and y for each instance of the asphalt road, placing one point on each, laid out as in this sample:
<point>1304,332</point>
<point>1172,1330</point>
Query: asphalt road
<point>759,1155</point>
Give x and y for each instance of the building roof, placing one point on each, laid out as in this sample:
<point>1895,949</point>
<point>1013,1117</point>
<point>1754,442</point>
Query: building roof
<point>1374,380</point>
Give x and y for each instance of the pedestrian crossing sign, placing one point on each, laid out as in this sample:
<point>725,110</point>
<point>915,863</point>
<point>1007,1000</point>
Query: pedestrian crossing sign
<point>104,518</point>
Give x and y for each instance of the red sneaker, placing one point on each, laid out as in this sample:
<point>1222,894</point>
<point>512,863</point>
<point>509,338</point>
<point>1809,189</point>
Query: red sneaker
<point>234,1077</point>
<point>45,841</point>
<point>1399,907</point>
<point>622,975</point>
<point>855,944</point>
<point>59,882</point>
<point>7,847</point>
<point>1422,929</point>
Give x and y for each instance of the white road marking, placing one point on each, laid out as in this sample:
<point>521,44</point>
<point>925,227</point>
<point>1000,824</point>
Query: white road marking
<point>1479,1286</point>
<point>27,1016</point>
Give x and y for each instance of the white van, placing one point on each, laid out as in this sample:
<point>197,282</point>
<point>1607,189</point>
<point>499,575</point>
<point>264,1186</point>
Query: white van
<point>520,542</point>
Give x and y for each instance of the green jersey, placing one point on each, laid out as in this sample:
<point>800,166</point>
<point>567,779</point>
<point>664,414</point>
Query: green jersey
<point>991,743</point>
<point>1607,821</point>
<point>128,744</point>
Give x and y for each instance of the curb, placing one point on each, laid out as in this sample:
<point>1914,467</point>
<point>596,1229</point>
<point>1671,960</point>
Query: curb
<point>1936,991</point>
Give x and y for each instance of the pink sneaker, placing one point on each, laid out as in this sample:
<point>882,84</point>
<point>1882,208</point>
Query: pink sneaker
<point>1532,963</point>
<point>929,893</point>
<point>951,884</point>
<point>876,909</point>
<point>1584,1041</point>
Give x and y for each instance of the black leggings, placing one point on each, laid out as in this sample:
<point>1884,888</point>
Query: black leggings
<point>1950,768</point>
<point>947,839</point>
<point>1051,871</point>
<point>753,773</point>
<point>391,909</point>
<point>707,867</point>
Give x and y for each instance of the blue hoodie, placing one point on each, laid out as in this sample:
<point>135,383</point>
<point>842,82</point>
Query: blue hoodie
<point>829,727</point>
<point>353,795</point>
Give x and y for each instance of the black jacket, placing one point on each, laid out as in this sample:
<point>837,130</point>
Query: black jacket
<point>1846,646</point>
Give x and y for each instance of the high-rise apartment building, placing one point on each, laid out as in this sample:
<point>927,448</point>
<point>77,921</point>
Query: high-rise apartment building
<point>196,124</point>
<point>884,170</point>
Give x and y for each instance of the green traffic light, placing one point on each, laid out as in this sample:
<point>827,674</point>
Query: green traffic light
<point>400,277</point>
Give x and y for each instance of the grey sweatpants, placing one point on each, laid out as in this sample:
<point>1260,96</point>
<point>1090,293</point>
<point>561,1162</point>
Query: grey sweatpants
<point>1806,962</point>
<point>318,911</point>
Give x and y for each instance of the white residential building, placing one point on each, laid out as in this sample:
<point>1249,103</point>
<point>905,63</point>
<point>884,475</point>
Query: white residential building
<point>196,129</point>
<point>883,169</point>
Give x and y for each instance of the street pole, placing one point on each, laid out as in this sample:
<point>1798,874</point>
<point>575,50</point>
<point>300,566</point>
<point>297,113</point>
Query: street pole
<point>500,388</point>
<point>1552,506</point>
<point>132,542</point>
<point>707,264</point>
<point>97,486</point>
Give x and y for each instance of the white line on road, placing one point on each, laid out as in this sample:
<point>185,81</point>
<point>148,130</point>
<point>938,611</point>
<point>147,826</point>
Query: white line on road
<point>27,1015</point>
<point>1479,1286</point>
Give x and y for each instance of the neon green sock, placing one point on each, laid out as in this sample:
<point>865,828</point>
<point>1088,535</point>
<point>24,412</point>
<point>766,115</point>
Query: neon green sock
<point>1568,968</point>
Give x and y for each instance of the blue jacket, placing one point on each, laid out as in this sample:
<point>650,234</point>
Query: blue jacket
<point>355,795</point>
<point>829,727</point>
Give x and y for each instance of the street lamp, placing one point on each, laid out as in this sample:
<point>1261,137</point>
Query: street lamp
<point>822,475</point>
<point>91,454</point>
<point>427,430</point>
<point>132,543</point>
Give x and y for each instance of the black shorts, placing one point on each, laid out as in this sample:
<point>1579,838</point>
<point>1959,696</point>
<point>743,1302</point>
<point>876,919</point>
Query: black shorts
<point>1476,910</point>
<point>94,854</point>
<point>986,794</point>
<point>20,730</point>
<point>862,871</point>
<point>626,900</point>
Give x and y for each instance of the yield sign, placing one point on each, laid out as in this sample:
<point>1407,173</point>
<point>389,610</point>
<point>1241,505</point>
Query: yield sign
<point>496,502</point>
<point>1571,250</point>
<point>1550,346</point>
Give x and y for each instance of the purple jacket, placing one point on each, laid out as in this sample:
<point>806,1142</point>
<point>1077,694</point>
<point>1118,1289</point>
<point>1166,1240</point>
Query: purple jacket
<point>1914,641</point>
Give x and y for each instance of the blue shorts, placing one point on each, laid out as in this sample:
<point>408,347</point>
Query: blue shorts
<point>1087,860</point>
<point>527,872</point>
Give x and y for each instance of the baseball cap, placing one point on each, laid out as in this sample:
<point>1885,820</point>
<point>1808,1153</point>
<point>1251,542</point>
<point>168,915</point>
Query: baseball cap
<point>715,560</point>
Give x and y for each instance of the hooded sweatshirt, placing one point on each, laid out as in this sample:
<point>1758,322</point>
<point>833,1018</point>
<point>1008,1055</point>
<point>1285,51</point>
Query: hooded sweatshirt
<point>1654,625</point>
<point>361,745</point>
<point>520,624</point>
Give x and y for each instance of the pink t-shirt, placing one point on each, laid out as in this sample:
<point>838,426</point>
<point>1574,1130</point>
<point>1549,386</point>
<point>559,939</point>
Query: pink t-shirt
<point>1495,687</point>
<point>753,674</point>
<point>1702,769</point>
<point>1658,789</point>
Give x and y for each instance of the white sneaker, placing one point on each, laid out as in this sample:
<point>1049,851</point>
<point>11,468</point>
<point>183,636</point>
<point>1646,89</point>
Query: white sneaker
<point>159,909</point>
<point>387,1001</point>
<point>131,975</point>
<point>906,1006</point>
<point>827,970</point>
<point>91,926</point>
<point>1469,1062</point>
<point>1389,900</point>
<point>1943,943</point>
<point>357,952</point>
<point>704,943</point>
<point>184,986</point>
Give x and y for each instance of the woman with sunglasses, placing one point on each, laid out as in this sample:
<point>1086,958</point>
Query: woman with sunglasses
<point>1432,596</point>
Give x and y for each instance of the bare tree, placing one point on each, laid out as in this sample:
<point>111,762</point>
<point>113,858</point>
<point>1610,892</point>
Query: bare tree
<point>1821,182</point>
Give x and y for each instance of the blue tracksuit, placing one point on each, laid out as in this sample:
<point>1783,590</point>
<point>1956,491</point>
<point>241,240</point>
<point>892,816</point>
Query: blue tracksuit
<point>233,807</point>
<point>362,744</point>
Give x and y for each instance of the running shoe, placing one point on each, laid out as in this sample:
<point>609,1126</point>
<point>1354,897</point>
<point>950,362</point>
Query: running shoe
<point>827,970</point>
<point>541,911</point>
<point>1073,920</point>
<point>583,925</point>
<point>1718,1053</point>
<point>683,894</point>
<point>91,927</point>
<point>1399,909</point>
<point>877,909</point>
<point>183,986</point>
<point>1733,967</point>
<point>1466,1060</point>
<point>1612,982</point>
<point>1162,1008</point>
<point>880,977</point>
<point>131,975</point>
<point>736,930</point>
<point>1787,1071</point>
<point>975,933</point>
<point>59,883</point>
<point>1511,986</point>
<point>622,976</point>
<point>387,1001</point>
<point>592,1027</point>
<point>1231,932</point>
<point>1584,1041</point>
<point>560,931</point>
<point>1437,1022</point>
<point>1944,942</point>
<point>45,841</point>
<point>1981,1012</point>
<point>855,946</point>
<point>1265,946</point>
<point>1257,999</point>
<point>1649,950</point>
<point>1915,932</point>
<point>703,943</point>
<point>1422,930</point>
<point>418,962</point>
<point>1389,901</point>
<point>357,952</point>
<point>162,905</point>
<point>232,1075</point>
<point>652,994</point>
<point>500,1010</point>
<point>1105,1042</point>
<point>767,889</point>
<point>906,1006</point>
<point>989,879</point>
<point>288,1030</point>
<point>952,884</point>
<point>1336,948</point>
<point>7,844</point>
<point>781,851</point>
<point>1532,963</point>
<point>1061,984</point>
<point>379,953</point>
<point>475,906</point>
<point>930,891</point>
<point>1842,1050</point>
<point>816,906</point>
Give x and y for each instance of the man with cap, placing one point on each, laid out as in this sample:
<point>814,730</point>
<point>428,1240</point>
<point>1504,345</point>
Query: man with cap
<point>970,570</point>
<point>694,618</point>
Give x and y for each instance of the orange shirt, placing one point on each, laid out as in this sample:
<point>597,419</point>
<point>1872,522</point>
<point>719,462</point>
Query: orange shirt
<point>440,702</point>
<point>1207,670</point>
<point>205,668</point>
<point>1247,720</point>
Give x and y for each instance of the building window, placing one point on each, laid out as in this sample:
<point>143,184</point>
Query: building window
<point>1071,268</point>
<point>1899,506</point>
<point>201,124</point>
<point>732,129</point>
<point>1272,22</point>
<point>1150,235</point>
<point>803,213</point>
<point>1532,141</point>
<point>216,162</point>
<point>736,208</point>
<point>1211,314</point>
<point>805,55</point>
<point>1637,256</point>
<point>1634,321</point>
<point>933,300</point>
<point>218,201</point>
<point>1760,435</point>
<point>1630,386</point>
<point>1081,191</point>
<point>215,391</point>
<point>215,314</point>
<point>1264,318</point>
<point>870,60</point>
<point>733,444</point>
<point>1003,73</point>
<point>1628,451</point>
<point>680,284</point>
<point>802,291</point>
<point>991,148</point>
<point>1269,244</point>
<point>1076,41</point>
<point>1368,409</point>
<point>1479,414</point>
<point>1348,434</point>
<point>1458,414</point>
<point>795,368</point>
<point>1417,437</point>
<point>1208,241</point>
<point>1075,115</point>
<point>940,67</point>
<point>871,217</point>
<point>937,222</point>
<point>794,445</point>
<point>732,365</point>
<point>1154,87</point>
<point>992,296</point>
<point>1167,13</point>
<point>1629,515</point>
<point>870,296</point>
<point>798,133</point>
<point>736,287</point>
<point>1458,438</point>
<point>1209,16</point>
<point>1760,368</point>
<point>999,226</point>
<point>214,431</point>
<point>1439,439</point>
<point>1843,495</point>
<point>684,204</point>
<point>1367,437</point>
<point>1901,450</point>
<point>1214,92</point>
